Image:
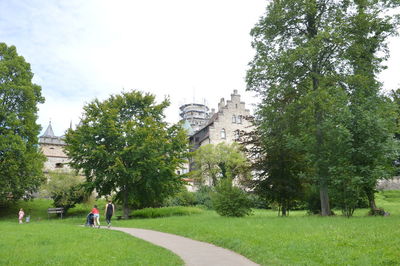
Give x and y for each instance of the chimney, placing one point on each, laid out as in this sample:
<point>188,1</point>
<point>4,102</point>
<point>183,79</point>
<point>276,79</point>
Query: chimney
<point>221,104</point>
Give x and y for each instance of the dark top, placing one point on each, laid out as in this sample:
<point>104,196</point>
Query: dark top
<point>109,209</point>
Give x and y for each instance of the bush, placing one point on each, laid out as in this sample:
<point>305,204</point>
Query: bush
<point>258,202</point>
<point>65,189</point>
<point>183,198</point>
<point>203,197</point>
<point>229,200</point>
<point>164,212</point>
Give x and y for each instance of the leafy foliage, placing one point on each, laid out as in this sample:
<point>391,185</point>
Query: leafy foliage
<point>221,161</point>
<point>123,146</point>
<point>21,162</point>
<point>165,212</point>
<point>322,120</point>
<point>66,189</point>
<point>183,198</point>
<point>229,200</point>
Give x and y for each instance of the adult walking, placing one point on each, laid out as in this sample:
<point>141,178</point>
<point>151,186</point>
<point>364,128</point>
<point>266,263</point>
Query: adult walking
<point>108,212</point>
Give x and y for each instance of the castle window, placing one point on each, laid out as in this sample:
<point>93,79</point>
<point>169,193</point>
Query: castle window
<point>236,105</point>
<point>239,119</point>
<point>234,119</point>
<point>59,165</point>
<point>237,134</point>
<point>223,133</point>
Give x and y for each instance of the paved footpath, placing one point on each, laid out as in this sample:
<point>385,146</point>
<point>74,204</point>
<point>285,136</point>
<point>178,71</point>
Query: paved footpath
<point>193,252</point>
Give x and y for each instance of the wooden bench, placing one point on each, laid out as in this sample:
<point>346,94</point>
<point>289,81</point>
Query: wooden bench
<point>55,210</point>
<point>121,217</point>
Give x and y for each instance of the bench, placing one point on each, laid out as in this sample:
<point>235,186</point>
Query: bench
<point>120,217</point>
<point>55,210</point>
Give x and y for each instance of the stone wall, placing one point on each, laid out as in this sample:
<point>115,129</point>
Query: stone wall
<point>231,117</point>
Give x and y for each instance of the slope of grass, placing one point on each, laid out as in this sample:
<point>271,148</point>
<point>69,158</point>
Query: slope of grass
<point>56,243</point>
<point>262,237</point>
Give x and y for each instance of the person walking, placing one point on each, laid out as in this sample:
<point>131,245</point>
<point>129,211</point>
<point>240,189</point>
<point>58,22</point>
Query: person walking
<point>108,212</point>
<point>21,214</point>
<point>96,216</point>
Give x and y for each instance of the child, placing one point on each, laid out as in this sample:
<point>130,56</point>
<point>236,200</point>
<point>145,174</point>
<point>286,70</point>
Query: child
<point>21,215</point>
<point>96,216</point>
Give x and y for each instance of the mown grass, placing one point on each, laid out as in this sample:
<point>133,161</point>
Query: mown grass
<point>56,243</point>
<point>298,239</point>
<point>267,239</point>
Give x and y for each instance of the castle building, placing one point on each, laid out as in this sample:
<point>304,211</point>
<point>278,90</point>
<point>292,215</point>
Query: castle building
<point>53,148</point>
<point>223,126</point>
<point>195,114</point>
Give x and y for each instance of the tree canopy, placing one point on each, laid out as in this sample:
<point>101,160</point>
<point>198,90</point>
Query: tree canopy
<point>21,162</point>
<point>220,161</point>
<point>124,147</point>
<point>315,70</point>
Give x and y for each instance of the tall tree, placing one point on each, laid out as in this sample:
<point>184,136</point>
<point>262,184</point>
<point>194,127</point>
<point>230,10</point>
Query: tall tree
<point>221,161</point>
<point>21,162</point>
<point>372,124</point>
<point>297,54</point>
<point>124,146</point>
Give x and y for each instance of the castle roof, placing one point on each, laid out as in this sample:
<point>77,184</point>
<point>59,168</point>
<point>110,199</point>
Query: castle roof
<point>48,137</point>
<point>49,133</point>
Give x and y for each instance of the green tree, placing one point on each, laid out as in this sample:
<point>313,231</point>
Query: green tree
<point>124,146</point>
<point>372,122</point>
<point>66,189</point>
<point>221,161</point>
<point>297,69</point>
<point>21,162</point>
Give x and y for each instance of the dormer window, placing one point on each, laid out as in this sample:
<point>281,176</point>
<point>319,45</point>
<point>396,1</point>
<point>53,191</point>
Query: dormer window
<point>234,119</point>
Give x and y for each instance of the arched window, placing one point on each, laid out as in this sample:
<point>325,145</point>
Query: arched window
<point>239,119</point>
<point>59,165</point>
<point>223,133</point>
<point>233,119</point>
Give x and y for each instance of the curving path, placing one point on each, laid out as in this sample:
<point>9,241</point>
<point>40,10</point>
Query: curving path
<point>193,252</point>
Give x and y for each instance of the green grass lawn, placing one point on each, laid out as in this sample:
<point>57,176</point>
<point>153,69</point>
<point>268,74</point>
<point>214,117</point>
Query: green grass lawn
<point>56,243</point>
<point>263,237</point>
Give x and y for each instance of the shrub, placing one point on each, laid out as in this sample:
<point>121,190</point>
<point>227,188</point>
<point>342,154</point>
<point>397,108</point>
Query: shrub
<point>183,198</point>
<point>65,189</point>
<point>203,197</point>
<point>229,200</point>
<point>164,212</point>
<point>258,202</point>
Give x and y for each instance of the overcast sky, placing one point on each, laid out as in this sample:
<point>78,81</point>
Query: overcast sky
<point>190,50</point>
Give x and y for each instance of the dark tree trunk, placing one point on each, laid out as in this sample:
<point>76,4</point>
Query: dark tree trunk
<point>324,197</point>
<point>371,198</point>
<point>126,204</point>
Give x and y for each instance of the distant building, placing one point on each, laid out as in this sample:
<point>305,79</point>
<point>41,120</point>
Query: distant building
<point>53,148</point>
<point>223,126</point>
<point>195,114</point>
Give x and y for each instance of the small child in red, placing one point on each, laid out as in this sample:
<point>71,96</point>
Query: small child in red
<point>21,215</point>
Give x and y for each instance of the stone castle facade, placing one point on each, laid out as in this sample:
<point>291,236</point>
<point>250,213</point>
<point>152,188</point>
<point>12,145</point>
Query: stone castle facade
<point>53,148</point>
<point>223,125</point>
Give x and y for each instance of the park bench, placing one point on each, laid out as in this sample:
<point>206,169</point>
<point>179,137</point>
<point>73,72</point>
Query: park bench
<point>121,217</point>
<point>55,210</point>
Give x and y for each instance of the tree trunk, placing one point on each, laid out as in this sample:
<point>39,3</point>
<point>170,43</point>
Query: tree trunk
<point>126,205</point>
<point>371,198</point>
<point>324,197</point>
<point>312,31</point>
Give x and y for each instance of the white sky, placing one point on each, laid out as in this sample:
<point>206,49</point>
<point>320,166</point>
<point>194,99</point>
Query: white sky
<point>83,49</point>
